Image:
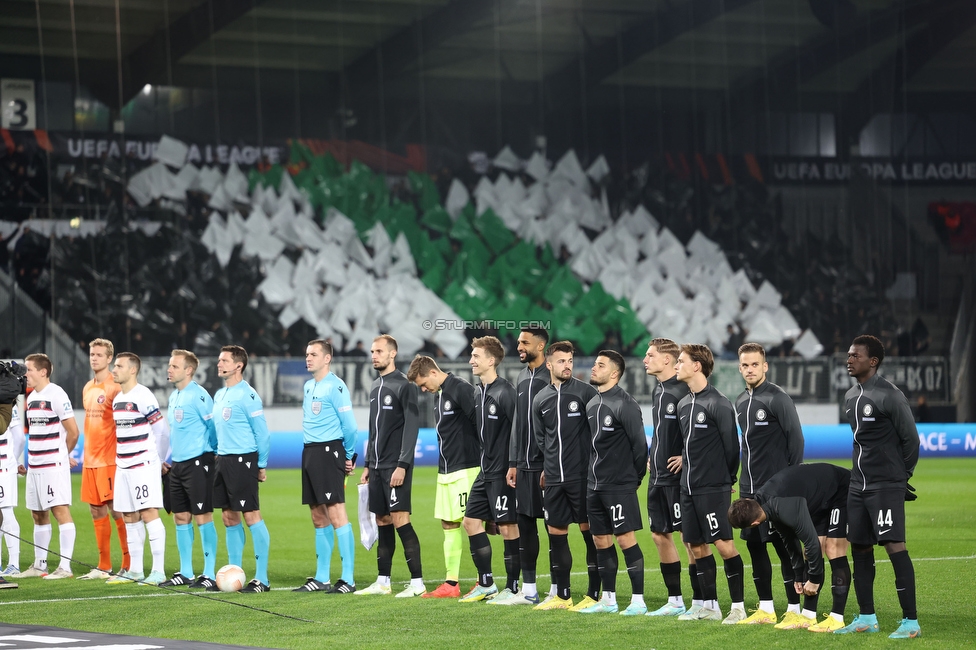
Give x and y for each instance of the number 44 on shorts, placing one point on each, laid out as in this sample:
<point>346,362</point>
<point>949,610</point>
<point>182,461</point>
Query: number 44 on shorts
<point>884,518</point>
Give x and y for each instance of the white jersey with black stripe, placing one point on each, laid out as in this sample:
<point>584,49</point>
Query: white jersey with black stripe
<point>47,439</point>
<point>135,414</point>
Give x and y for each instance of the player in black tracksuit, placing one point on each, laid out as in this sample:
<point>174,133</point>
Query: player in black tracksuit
<point>618,462</point>
<point>709,464</point>
<point>561,430</point>
<point>807,504</point>
<point>458,464</point>
<point>664,463</point>
<point>394,421</point>
<point>492,498</point>
<point>772,440</point>
<point>885,454</point>
<point>525,458</point>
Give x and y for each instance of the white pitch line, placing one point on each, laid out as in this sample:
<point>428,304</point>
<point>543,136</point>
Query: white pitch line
<point>575,573</point>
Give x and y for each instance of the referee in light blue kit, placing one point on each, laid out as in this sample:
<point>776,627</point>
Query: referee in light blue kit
<point>328,457</point>
<point>243,442</point>
<point>193,440</point>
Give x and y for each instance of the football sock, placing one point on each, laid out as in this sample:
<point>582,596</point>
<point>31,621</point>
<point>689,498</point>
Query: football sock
<point>840,583</point>
<point>11,528</point>
<point>66,539</point>
<point>562,563</point>
<point>606,560</point>
<point>208,537</point>
<point>235,544</point>
<point>706,577</point>
<point>156,532</point>
<point>609,597</point>
<point>672,578</point>
<point>528,547</point>
<point>864,579</point>
<point>592,572</point>
<point>733,573</point>
<point>453,544</point>
<point>634,559</point>
<point>762,569</point>
<point>786,570</point>
<point>905,583</point>
<point>513,565</point>
<point>411,550</point>
<point>386,535</point>
<point>347,552</point>
<point>184,545</point>
<point>103,540</point>
<point>323,553</point>
<point>481,554</point>
<point>710,604</point>
<point>262,545</point>
<point>42,541</point>
<point>767,606</point>
<point>135,539</point>
<point>810,603</point>
<point>696,592</point>
<point>123,542</point>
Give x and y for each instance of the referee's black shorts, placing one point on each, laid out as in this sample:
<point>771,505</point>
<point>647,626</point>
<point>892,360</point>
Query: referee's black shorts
<point>323,473</point>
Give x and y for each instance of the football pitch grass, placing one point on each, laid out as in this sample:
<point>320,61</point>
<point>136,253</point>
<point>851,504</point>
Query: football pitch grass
<point>941,539</point>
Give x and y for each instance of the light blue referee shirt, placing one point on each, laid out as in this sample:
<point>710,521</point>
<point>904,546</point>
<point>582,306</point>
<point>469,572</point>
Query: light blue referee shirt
<point>191,426</point>
<point>238,415</point>
<point>327,413</point>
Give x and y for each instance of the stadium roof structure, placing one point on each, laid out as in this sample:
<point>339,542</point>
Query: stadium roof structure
<point>856,55</point>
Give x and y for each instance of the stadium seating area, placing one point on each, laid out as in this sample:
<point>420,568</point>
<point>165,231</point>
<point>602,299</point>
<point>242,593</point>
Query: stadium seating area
<point>274,258</point>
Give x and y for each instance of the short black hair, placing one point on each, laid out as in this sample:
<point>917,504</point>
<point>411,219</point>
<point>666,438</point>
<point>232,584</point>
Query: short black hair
<point>541,332</point>
<point>873,344</point>
<point>615,358</point>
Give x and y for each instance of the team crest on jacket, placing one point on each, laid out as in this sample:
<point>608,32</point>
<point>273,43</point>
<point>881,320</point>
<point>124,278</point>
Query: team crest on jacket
<point>447,405</point>
<point>671,407</point>
<point>608,420</point>
<point>101,399</point>
<point>701,417</point>
<point>225,413</point>
<point>178,415</point>
<point>388,400</point>
<point>492,409</point>
<point>573,406</point>
<point>868,410</point>
<point>760,415</point>
<point>316,407</point>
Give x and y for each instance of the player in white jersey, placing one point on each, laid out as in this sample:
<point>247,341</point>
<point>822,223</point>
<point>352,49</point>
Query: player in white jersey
<point>11,455</point>
<point>52,434</point>
<point>142,443</point>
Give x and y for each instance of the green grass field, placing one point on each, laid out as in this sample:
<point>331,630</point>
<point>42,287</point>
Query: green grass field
<point>941,539</point>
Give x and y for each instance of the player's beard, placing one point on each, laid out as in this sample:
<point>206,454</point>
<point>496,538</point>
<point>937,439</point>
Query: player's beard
<point>530,357</point>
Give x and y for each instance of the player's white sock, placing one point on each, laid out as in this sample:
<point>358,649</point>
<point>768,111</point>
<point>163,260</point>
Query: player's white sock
<point>609,597</point>
<point>808,613</point>
<point>383,581</point>
<point>637,599</point>
<point>529,589</point>
<point>66,537</point>
<point>710,604</point>
<point>42,541</point>
<point>767,606</point>
<point>739,606</point>
<point>700,603</point>
<point>11,528</point>
<point>676,601</point>
<point>794,608</point>
<point>136,537</point>
<point>417,583</point>
<point>156,532</point>
<point>837,617</point>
